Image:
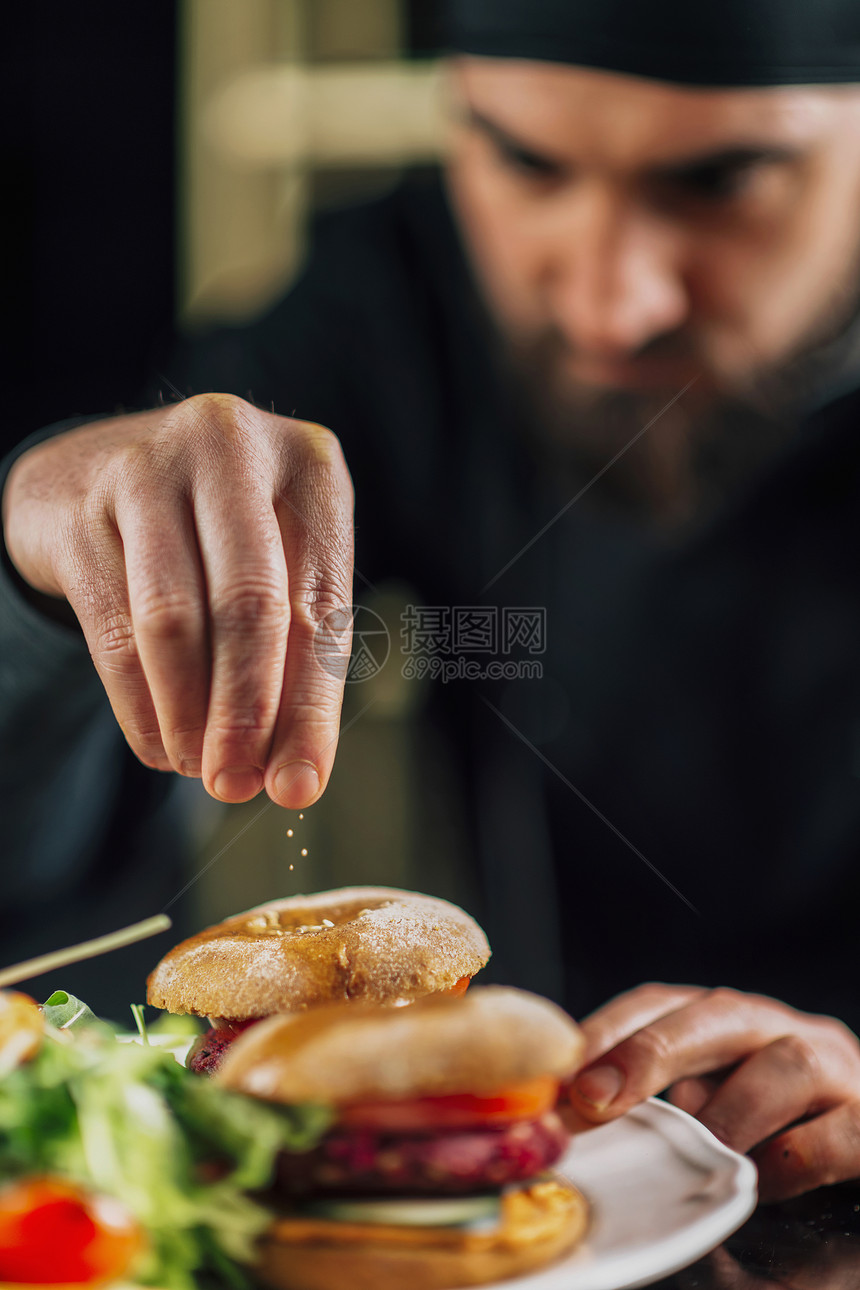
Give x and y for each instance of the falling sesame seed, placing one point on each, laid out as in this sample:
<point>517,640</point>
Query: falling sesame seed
<point>292,866</point>
<point>301,815</point>
<point>289,833</point>
<point>304,851</point>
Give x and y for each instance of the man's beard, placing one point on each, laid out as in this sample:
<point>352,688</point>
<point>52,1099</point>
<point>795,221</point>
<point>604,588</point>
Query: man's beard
<point>699,447</point>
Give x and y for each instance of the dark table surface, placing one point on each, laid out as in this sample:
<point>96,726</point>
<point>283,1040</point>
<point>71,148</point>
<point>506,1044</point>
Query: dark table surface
<point>812,1243</point>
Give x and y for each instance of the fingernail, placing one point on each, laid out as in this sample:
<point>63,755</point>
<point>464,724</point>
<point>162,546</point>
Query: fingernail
<point>192,766</point>
<point>599,1086</point>
<point>297,783</point>
<point>238,783</point>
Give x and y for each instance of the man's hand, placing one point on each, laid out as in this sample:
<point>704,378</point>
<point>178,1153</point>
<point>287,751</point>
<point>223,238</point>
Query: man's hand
<point>200,547</point>
<point>779,1084</point>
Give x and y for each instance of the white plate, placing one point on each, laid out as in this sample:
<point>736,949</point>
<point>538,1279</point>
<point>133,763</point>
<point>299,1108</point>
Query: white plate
<point>663,1191</point>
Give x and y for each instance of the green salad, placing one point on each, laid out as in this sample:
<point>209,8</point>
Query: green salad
<point>127,1120</point>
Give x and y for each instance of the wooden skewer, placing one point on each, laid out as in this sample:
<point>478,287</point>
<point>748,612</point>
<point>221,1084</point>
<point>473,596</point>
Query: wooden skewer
<point>85,950</point>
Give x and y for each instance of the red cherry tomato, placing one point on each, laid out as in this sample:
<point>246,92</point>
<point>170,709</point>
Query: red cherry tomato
<point>526,1101</point>
<point>52,1231</point>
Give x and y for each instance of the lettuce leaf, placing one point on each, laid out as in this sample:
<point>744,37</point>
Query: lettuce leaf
<point>177,1150</point>
<point>65,1011</point>
<point>167,1026</point>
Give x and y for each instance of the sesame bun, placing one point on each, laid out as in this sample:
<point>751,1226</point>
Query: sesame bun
<point>485,1040</point>
<point>374,944</point>
<point>539,1223</point>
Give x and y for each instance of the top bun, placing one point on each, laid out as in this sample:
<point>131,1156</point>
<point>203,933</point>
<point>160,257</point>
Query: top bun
<point>485,1040</point>
<point>375,944</point>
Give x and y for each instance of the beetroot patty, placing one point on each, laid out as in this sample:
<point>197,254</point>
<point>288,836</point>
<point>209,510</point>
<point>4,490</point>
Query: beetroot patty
<point>354,1160</point>
<point>207,1052</point>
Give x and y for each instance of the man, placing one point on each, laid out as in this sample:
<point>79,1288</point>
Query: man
<point>595,410</point>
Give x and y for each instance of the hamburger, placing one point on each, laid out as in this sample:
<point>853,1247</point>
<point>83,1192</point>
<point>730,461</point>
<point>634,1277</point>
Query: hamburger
<point>376,945</point>
<point>433,1172</point>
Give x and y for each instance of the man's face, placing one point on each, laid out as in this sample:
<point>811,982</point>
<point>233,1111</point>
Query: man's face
<point>638,234</point>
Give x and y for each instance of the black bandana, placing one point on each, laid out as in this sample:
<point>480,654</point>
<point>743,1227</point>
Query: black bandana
<point>690,42</point>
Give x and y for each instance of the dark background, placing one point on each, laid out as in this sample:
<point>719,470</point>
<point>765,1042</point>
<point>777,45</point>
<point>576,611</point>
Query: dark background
<point>88,152</point>
<point>88,140</point>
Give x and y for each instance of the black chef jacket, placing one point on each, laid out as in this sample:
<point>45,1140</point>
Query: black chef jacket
<point>676,799</point>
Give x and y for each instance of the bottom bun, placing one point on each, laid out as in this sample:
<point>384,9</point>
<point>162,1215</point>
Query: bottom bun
<point>539,1223</point>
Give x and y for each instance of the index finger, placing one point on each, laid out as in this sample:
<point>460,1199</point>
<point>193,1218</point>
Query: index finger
<point>715,1030</point>
<point>315,517</point>
<point>629,1012</point>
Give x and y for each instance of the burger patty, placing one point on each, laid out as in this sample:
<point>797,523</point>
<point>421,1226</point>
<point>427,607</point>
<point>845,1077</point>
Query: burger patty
<point>356,1160</point>
<point>207,1052</point>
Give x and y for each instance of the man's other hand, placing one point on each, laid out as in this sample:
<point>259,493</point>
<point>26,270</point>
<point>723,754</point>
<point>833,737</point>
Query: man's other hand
<point>200,546</point>
<point>778,1084</point>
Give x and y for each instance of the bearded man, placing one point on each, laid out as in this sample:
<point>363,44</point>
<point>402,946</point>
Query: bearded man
<point>603,366</point>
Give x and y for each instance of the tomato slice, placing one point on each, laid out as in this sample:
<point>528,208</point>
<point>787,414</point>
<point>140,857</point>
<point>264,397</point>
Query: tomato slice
<point>460,987</point>
<point>526,1101</point>
<point>52,1231</point>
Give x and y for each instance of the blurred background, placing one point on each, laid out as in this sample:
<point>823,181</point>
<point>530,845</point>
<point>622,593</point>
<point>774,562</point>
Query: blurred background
<point>163,161</point>
<point>163,164</point>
